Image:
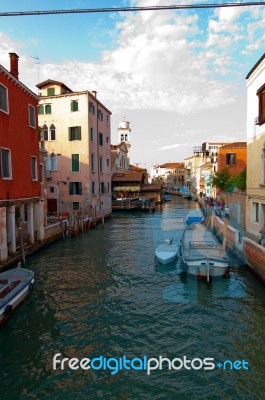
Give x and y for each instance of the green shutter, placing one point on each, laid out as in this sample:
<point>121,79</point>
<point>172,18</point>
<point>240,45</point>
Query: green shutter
<point>51,91</point>
<point>79,133</point>
<point>70,133</point>
<point>41,110</point>
<point>48,109</point>
<point>75,162</point>
<point>79,187</point>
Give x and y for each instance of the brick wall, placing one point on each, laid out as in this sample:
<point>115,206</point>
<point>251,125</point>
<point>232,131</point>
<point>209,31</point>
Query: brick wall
<point>255,255</point>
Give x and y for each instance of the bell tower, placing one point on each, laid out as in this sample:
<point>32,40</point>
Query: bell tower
<point>124,132</point>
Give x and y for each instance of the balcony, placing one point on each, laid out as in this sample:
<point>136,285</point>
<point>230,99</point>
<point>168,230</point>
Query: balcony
<point>259,120</point>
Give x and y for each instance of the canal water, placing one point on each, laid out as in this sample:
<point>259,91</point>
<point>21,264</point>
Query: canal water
<point>102,295</point>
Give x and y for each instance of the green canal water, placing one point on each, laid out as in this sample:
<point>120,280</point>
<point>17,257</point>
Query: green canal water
<point>103,295</point>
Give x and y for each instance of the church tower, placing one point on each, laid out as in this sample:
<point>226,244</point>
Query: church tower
<point>124,133</point>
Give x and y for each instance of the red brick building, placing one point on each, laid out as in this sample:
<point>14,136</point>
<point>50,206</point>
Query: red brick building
<point>233,156</point>
<point>20,188</point>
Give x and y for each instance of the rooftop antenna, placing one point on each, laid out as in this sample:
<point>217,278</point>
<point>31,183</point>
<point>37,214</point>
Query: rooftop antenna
<point>38,63</point>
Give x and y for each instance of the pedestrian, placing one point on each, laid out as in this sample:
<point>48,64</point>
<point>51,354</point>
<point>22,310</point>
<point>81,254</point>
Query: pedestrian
<point>262,239</point>
<point>226,211</point>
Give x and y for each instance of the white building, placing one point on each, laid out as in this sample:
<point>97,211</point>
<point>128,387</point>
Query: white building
<point>255,207</point>
<point>76,132</point>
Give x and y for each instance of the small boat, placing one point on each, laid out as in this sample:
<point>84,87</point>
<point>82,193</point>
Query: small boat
<point>202,253</point>
<point>185,192</point>
<point>15,285</point>
<point>194,215</point>
<point>166,252</point>
<point>166,196</point>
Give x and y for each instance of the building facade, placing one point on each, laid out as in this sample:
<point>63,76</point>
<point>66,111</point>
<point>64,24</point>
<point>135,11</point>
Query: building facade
<point>75,127</point>
<point>255,207</point>
<point>21,204</point>
<point>233,156</point>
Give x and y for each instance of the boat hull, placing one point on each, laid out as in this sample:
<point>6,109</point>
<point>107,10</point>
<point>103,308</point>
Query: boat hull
<point>202,253</point>
<point>166,253</point>
<point>15,285</point>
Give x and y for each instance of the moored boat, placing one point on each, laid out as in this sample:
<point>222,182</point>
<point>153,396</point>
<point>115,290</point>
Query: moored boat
<point>202,253</point>
<point>167,197</point>
<point>194,215</point>
<point>166,252</point>
<point>15,285</point>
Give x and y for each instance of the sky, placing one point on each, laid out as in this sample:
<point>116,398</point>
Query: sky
<point>178,76</point>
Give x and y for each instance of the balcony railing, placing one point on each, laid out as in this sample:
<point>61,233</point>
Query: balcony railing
<point>259,120</point>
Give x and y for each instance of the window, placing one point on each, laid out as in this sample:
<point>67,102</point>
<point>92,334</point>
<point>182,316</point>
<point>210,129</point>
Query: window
<point>107,162</point>
<point>52,190</point>
<point>255,212</point>
<point>52,132</point>
<point>76,205</point>
<point>91,107</point>
<point>34,168</point>
<point>74,133</point>
<point>91,135</point>
<point>32,116</point>
<point>100,139</point>
<point>45,132</point>
<point>100,115</point>
<point>230,159</point>
<point>75,163</point>
<point>45,109</point>
<point>48,134</point>
<point>51,162</point>
<point>93,188</point>
<point>75,188</point>
<point>41,173</point>
<point>107,139</point>
<point>102,187</point>
<point>6,170</point>
<point>92,163</point>
<point>100,164</point>
<point>51,91</point>
<point>107,119</point>
<point>263,163</point>
<point>261,116</point>
<point>3,99</point>
<point>74,105</point>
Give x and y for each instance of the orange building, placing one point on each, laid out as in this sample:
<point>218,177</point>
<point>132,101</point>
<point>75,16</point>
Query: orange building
<point>20,190</point>
<point>233,156</point>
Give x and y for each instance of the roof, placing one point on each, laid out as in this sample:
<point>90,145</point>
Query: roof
<point>149,187</point>
<point>127,177</point>
<point>18,82</point>
<point>114,147</point>
<point>52,82</point>
<point>234,145</point>
<point>172,165</point>
<point>137,169</point>
<point>255,66</point>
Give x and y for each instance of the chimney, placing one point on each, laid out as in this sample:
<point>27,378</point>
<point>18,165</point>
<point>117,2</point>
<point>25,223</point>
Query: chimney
<point>94,93</point>
<point>14,64</point>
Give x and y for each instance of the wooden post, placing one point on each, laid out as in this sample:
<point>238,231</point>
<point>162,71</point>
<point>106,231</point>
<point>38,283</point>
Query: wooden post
<point>102,220</point>
<point>224,233</point>
<point>23,258</point>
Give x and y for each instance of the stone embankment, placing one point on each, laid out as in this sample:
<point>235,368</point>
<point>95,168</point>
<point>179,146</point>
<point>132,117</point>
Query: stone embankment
<point>237,242</point>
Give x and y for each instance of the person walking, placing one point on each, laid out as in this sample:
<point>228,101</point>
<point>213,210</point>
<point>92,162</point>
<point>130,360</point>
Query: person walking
<point>262,239</point>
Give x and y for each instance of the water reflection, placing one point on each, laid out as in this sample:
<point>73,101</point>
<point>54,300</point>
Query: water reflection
<point>103,293</point>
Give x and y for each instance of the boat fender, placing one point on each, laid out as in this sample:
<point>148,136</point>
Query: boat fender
<point>30,287</point>
<point>8,309</point>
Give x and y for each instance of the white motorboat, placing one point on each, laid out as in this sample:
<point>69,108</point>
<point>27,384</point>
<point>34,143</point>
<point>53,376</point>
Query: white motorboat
<point>166,252</point>
<point>15,285</point>
<point>202,253</point>
<point>194,215</point>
